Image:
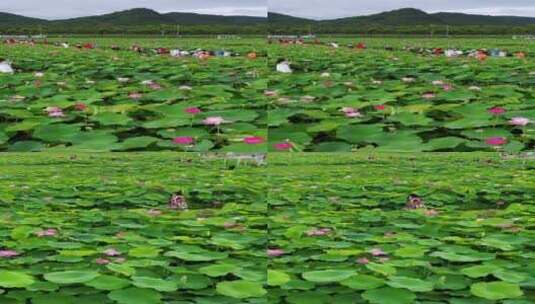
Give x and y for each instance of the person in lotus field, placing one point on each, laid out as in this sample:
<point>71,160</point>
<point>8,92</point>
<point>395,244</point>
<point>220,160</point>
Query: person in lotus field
<point>5,67</point>
<point>414,202</point>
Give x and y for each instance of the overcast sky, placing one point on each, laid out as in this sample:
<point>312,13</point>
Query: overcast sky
<point>58,9</point>
<point>325,9</point>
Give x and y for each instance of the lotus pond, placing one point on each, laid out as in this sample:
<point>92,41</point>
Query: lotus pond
<point>119,100</point>
<point>79,229</point>
<point>344,229</point>
<point>390,99</point>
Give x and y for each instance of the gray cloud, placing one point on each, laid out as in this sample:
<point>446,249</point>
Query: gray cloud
<point>325,9</point>
<point>58,9</point>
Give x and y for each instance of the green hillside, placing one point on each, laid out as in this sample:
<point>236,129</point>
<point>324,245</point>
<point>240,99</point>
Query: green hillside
<point>138,21</point>
<point>404,21</point>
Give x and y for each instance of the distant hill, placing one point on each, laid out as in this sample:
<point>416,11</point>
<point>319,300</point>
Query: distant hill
<point>467,19</point>
<point>143,16</point>
<point>12,19</point>
<point>277,18</point>
<point>137,20</point>
<point>407,17</point>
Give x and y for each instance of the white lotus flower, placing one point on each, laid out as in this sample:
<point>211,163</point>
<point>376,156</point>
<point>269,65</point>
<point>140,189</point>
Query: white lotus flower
<point>325,74</point>
<point>5,67</point>
<point>39,74</point>
<point>65,45</point>
<point>213,120</point>
<point>147,82</point>
<point>175,53</point>
<point>519,121</point>
<point>284,67</point>
<point>123,79</point>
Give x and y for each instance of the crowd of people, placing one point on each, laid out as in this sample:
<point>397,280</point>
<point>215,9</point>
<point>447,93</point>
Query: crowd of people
<point>481,54</point>
<point>173,52</point>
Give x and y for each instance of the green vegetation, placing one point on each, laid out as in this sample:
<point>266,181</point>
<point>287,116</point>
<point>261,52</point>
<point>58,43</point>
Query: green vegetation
<point>99,228</point>
<point>342,230</point>
<point>105,100</point>
<point>344,99</point>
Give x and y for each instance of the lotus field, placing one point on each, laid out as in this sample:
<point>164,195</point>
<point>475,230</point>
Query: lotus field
<point>399,229</point>
<point>131,229</point>
<point>395,94</point>
<point>123,95</point>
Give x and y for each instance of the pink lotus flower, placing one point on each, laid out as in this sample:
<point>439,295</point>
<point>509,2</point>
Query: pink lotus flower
<point>80,106</point>
<point>270,93</point>
<point>54,112</point>
<point>348,110</point>
<point>183,140</point>
<point>318,232</point>
<point>380,107</point>
<point>353,115</point>
<point>135,96</point>
<point>193,110</point>
<point>519,121</point>
<point>283,146</point>
<point>8,253</point>
<point>155,86</point>
<point>363,261</point>
<point>351,112</point>
<point>47,232</point>
<point>111,252</point>
<point>378,252</point>
<point>428,96</point>
<point>275,252</point>
<point>447,87</point>
<point>253,140</point>
<point>213,121</point>
<point>102,261</point>
<point>496,111</point>
<point>496,141</point>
